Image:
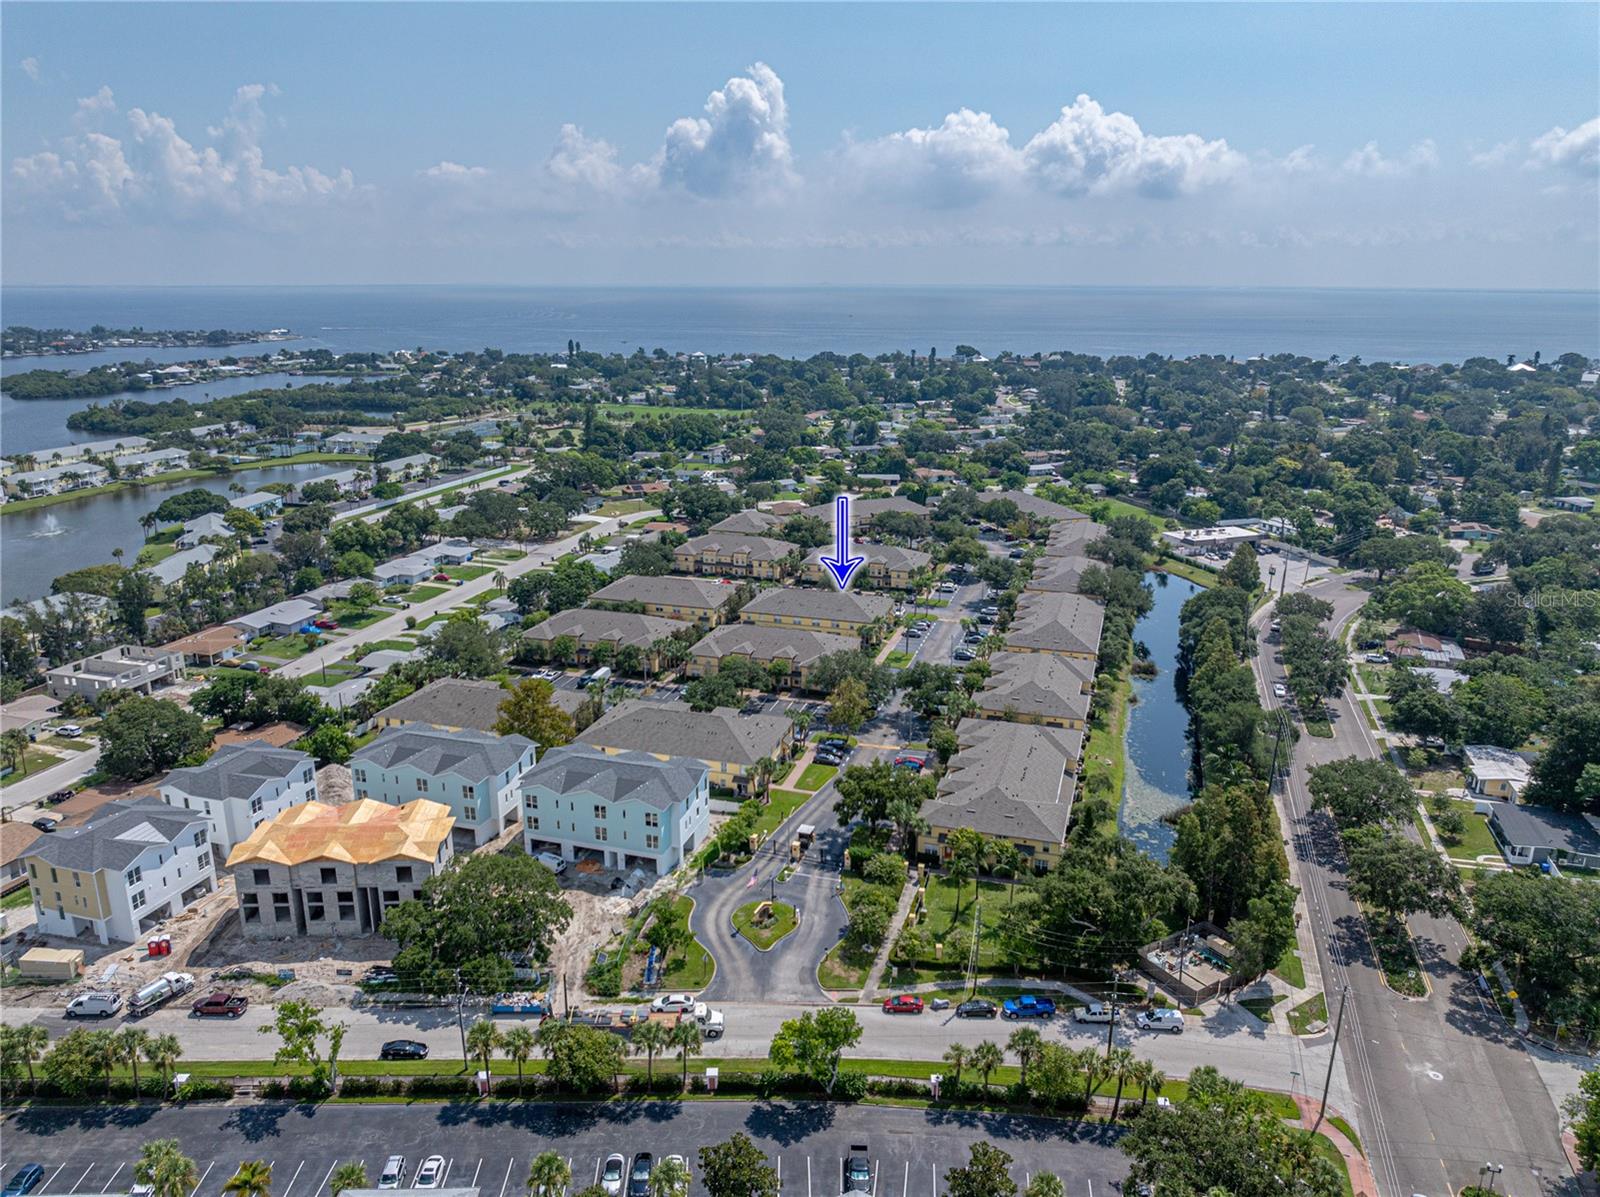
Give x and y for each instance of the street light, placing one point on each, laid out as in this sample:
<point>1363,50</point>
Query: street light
<point>1491,1170</point>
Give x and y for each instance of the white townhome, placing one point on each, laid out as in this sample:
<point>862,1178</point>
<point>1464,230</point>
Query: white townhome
<point>241,787</point>
<point>473,773</point>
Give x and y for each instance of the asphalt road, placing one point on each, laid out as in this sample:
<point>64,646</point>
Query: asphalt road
<point>91,1150</point>
<point>1439,1086</point>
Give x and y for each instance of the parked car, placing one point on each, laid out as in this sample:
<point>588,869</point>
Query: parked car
<point>1029,1006</point>
<point>552,862</point>
<point>59,796</point>
<point>913,633</point>
<point>431,1174</point>
<point>965,654</point>
<point>69,731</point>
<point>856,1171</point>
<point>1093,1012</point>
<point>220,1005</point>
<point>673,1003</point>
<point>613,1173</point>
<point>46,823</point>
<point>1159,1020</point>
<point>441,577</point>
<point>1279,690</point>
<point>326,624</point>
<point>393,1175</point>
<point>99,1004</point>
<point>977,1008</point>
<point>1377,658</point>
<point>639,1177</point>
<point>903,1003</point>
<point>403,1049</point>
<point>24,1180</point>
<point>1482,568</point>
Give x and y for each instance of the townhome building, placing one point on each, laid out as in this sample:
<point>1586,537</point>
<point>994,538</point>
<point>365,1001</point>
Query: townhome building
<point>1046,688</point>
<point>748,522</point>
<point>454,704</point>
<point>627,809</point>
<point>887,566</point>
<point>241,786</point>
<point>733,555</point>
<point>727,743</point>
<point>671,596</point>
<point>823,609</point>
<point>795,649</point>
<point>1069,624</point>
<point>210,526</point>
<point>57,480</point>
<point>156,461</point>
<point>132,865</point>
<point>322,870</point>
<point>261,503</point>
<point>588,628</point>
<point>473,773</point>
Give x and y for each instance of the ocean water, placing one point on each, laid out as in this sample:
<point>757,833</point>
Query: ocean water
<point>1387,325</point>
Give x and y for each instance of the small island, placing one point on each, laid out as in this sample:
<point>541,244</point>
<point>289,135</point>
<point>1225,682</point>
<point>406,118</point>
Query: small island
<point>20,340</point>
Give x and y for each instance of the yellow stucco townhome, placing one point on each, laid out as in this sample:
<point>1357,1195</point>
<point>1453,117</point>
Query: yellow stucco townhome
<point>733,556</point>
<point>1044,688</point>
<point>887,567</point>
<point>797,648</point>
<point>822,609</point>
<point>689,600</point>
<point>1068,624</point>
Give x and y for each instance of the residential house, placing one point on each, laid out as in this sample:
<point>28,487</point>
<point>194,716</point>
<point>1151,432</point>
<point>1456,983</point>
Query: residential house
<point>126,667</point>
<point>1496,772</point>
<point>261,503</point>
<point>157,461</point>
<point>728,743</point>
<point>1007,781</point>
<point>473,772</point>
<point>16,841</point>
<point>630,809</point>
<point>1473,532</point>
<point>797,649</point>
<point>280,619</point>
<point>405,571</point>
<point>169,571</point>
<point>1532,835</point>
<point>57,480</point>
<point>749,522</point>
<point>349,483</point>
<point>671,596</point>
<point>1424,646</point>
<point>241,786</point>
<point>590,627</point>
<point>354,441</point>
<point>1582,504</point>
<point>131,866</point>
<point>44,459</point>
<point>324,870</point>
<point>210,526</point>
<point>887,567</point>
<point>456,704</point>
<point>733,555</point>
<point>1046,688</point>
<point>407,469</point>
<point>1069,624</point>
<point>844,612</point>
<point>28,714</point>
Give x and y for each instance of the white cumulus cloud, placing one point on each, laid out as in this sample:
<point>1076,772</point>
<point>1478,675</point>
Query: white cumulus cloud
<point>1370,162</point>
<point>455,172</point>
<point>963,159</point>
<point>1570,149</point>
<point>30,68</point>
<point>741,142</point>
<point>579,160</point>
<point>1088,150</point>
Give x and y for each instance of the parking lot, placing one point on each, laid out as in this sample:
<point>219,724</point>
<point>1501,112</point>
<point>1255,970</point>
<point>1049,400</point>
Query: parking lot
<point>489,1147</point>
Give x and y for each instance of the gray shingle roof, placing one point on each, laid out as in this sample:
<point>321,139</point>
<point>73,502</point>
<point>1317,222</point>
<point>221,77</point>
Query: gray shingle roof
<point>1059,574</point>
<point>116,835</point>
<point>751,522</point>
<point>1047,685</point>
<point>473,755</point>
<point>892,556</point>
<point>821,602</point>
<point>674,590</point>
<point>869,509</point>
<point>772,644</point>
<point>1537,827</point>
<point>1007,779</point>
<point>674,729</point>
<point>1033,505</point>
<point>238,770</point>
<point>727,544</point>
<point>450,702</point>
<point>618,777</point>
<point>1063,623</point>
<point>1070,538</point>
<point>587,626</point>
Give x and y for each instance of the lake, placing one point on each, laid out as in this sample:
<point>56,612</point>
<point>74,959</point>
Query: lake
<point>1156,782</point>
<point>28,425</point>
<point>40,545</point>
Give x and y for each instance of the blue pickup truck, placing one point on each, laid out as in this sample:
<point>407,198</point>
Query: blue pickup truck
<point>1029,1006</point>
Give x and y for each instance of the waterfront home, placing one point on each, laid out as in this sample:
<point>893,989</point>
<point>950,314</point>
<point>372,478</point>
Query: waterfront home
<point>57,480</point>
<point>671,596</point>
<point>1069,624</point>
<point>129,867</point>
<point>627,809</point>
<point>126,667</point>
<point>474,773</point>
<point>262,503</point>
<point>1046,688</point>
<point>324,870</point>
<point>728,743</point>
<point>241,786</point>
<point>349,483</point>
<point>169,571</point>
<point>209,526</point>
<point>69,454</point>
<point>353,442</point>
<point>406,469</point>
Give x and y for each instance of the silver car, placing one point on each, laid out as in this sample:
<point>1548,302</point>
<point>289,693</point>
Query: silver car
<point>393,1175</point>
<point>613,1174</point>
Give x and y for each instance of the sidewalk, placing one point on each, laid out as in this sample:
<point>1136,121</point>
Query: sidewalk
<point>908,895</point>
<point>1362,1183</point>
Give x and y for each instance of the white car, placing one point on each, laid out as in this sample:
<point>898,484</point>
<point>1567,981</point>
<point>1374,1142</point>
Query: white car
<point>70,731</point>
<point>1093,1012</point>
<point>552,862</point>
<point>393,1175</point>
<point>673,1003</point>
<point>613,1174</point>
<point>1160,1020</point>
<point>431,1174</point>
<point>1279,691</point>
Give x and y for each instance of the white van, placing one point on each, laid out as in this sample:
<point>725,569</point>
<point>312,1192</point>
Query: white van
<point>94,1005</point>
<point>552,862</point>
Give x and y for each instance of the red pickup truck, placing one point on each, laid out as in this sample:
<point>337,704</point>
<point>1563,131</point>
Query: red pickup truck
<point>220,1005</point>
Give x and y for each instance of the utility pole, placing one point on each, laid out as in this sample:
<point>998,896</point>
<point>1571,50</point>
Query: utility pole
<point>1333,1054</point>
<point>972,952</point>
<point>1111,1027</point>
<point>461,1025</point>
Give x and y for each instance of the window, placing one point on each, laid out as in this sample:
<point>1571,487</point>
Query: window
<point>137,900</point>
<point>600,834</point>
<point>201,838</point>
<point>599,810</point>
<point>251,906</point>
<point>347,910</point>
<point>469,792</point>
<point>391,897</point>
<point>531,801</point>
<point>533,822</point>
<point>53,876</point>
<point>306,777</point>
<point>652,819</point>
<point>315,911</point>
<point>470,814</point>
<point>329,876</point>
<point>361,794</point>
<point>652,841</point>
<point>134,875</point>
<point>359,774</point>
<point>262,876</point>
<point>422,785</point>
<point>255,805</point>
<point>402,873</point>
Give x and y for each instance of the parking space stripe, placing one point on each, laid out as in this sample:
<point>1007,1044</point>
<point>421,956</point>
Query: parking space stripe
<point>203,1176</point>
<point>477,1170</point>
<point>905,1184</point>
<point>507,1180</point>
<point>113,1177</point>
<point>320,1187</point>
<point>78,1188</point>
<point>808,1176</point>
<point>293,1178</point>
<point>53,1175</point>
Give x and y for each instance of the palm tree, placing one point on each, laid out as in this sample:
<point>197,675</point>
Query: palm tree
<point>164,1167</point>
<point>519,1043</point>
<point>956,1056</point>
<point>103,1050</point>
<point>1119,1067</point>
<point>548,1175</point>
<point>802,724</point>
<point>1148,1077</point>
<point>483,1037</point>
<point>1025,1044</point>
<point>1008,860</point>
<point>164,1052</point>
<point>347,1176</point>
<point>986,1057</point>
<point>30,1041</point>
<point>669,1178</point>
<point>1093,1067</point>
<point>14,744</point>
<point>651,1037</point>
<point>253,1179</point>
<point>761,772</point>
<point>131,1043</point>
<point>687,1039</point>
<point>1045,1184</point>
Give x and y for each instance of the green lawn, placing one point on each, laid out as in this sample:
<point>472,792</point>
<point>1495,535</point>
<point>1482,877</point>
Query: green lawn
<point>1197,574</point>
<point>783,804</point>
<point>1103,770</point>
<point>32,761</point>
<point>69,745</point>
<point>352,617</point>
<point>694,969</point>
<point>898,659</point>
<point>816,776</point>
<point>841,969</point>
<point>783,920</point>
<point>1325,1147</point>
<point>152,553</point>
<point>1291,969</point>
<point>467,573</point>
<point>1476,838</point>
<point>1261,1007</point>
<point>17,899</point>
<point>377,645</point>
<point>623,507</point>
<point>282,648</point>
<point>503,555</point>
<point>1348,1131</point>
<point>1397,955</point>
<point>424,592</point>
<point>942,914</point>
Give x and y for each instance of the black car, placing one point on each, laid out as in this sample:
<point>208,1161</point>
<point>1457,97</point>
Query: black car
<point>977,1008</point>
<point>46,823</point>
<point>639,1177</point>
<point>403,1049</point>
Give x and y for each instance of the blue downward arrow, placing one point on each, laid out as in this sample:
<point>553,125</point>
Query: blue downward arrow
<point>842,565</point>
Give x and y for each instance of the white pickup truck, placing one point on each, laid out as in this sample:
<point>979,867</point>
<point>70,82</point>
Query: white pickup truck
<point>1093,1012</point>
<point>711,1021</point>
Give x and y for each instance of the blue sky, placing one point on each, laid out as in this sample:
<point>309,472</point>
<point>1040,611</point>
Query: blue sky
<point>1358,144</point>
